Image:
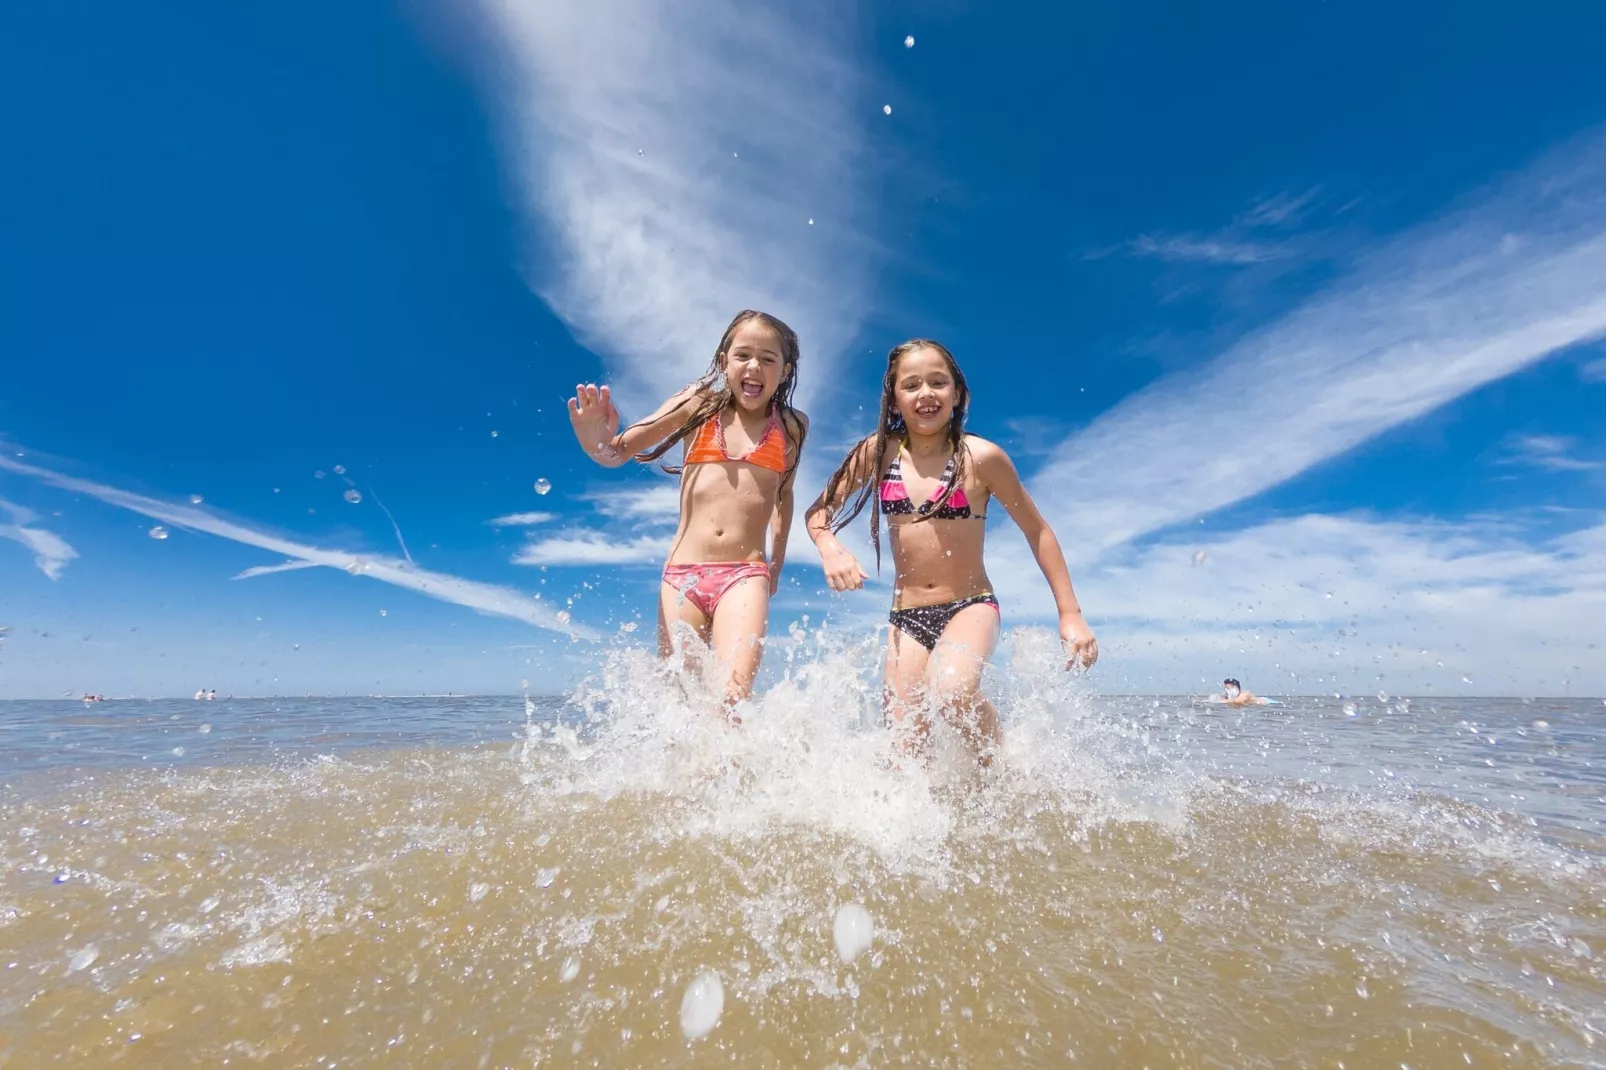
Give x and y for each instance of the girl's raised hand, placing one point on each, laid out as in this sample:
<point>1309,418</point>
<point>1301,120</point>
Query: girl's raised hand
<point>595,420</point>
<point>842,570</point>
<point>1081,647</point>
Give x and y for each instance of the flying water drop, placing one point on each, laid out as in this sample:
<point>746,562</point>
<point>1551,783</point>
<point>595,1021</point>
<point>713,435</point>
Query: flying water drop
<point>1199,558</point>
<point>87,956</point>
<point>886,109</point>
<point>158,532</point>
<point>477,891</point>
<point>853,931</point>
<point>542,486</point>
<point>496,434</point>
<point>318,474</point>
<point>352,495</point>
<point>196,499</point>
<point>909,42</point>
<point>571,969</point>
<point>702,1005</point>
<point>340,469</point>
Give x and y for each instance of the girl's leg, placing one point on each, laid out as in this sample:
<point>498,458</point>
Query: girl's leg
<point>953,676</point>
<point>904,693</point>
<point>737,636</point>
<point>674,609</point>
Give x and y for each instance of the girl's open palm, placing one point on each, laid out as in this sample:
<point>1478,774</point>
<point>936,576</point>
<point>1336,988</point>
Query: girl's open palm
<point>595,420</point>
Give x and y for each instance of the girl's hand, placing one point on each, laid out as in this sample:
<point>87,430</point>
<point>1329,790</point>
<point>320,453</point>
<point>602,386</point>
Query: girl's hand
<point>842,571</point>
<point>595,420</point>
<point>1081,648</point>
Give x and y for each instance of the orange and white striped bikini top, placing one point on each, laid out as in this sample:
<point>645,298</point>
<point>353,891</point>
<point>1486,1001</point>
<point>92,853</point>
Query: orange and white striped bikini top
<point>708,445</point>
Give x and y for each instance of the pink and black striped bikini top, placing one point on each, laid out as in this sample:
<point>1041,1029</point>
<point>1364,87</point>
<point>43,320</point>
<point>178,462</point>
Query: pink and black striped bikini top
<point>895,495</point>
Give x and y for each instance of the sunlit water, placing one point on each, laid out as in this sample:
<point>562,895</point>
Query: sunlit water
<point>615,879</point>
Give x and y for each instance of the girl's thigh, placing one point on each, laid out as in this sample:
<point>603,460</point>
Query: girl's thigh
<point>905,675</point>
<point>737,633</point>
<point>676,609</point>
<point>953,672</point>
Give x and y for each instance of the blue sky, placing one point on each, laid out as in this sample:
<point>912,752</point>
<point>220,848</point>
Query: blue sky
<point>1291,315</point>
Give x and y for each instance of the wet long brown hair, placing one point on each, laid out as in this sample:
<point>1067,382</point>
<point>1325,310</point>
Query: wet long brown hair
<point>714,395</point>
<point>891,429</point>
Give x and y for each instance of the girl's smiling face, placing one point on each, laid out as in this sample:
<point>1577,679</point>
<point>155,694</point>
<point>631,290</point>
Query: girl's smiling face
<point>754,365</point>
<point>924,391</point>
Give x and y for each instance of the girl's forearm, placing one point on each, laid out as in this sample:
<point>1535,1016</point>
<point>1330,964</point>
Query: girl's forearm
<point>1051,559</point>
<point>780,528</point>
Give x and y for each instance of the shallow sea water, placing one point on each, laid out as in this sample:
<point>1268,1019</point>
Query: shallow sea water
<point>1372,882</point>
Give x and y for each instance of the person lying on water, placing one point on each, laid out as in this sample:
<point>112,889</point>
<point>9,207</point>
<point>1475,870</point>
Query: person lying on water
<point>742,440</point>
<point>932,482</point>
<point>1233,694</point>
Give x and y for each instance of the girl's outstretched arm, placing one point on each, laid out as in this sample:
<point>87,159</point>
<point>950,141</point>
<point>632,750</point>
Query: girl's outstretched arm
<point>596,423</point>
<point>998,472</point>
<point>781,521</point>
<point>842,570</point>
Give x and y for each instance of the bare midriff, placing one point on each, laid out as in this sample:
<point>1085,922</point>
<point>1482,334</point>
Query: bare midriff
<point>725,510</point>
<point>937,560</point>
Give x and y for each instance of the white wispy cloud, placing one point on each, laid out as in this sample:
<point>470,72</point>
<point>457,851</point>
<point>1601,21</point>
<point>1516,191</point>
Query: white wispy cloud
<point>1252,238</point>
<point>485,597</point>
<point>1280,210</point>
<point>593,548</point>
<point>1210,249</point>
<point>1511,277</point>
<point>673,156</point>
<point>50,551</point>
<point>1553,453</point>
<point>655,503</point>
<point>521,520</point>
<point>1352,598</point>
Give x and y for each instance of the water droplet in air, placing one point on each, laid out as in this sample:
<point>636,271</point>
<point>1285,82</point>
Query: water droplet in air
<point>1466,679</point>
<point>909,42</point>
<point>178,752</point>
<point>563,616</point>
<point>886,109</point>
<point>1382,696</point>
<point>83,959</point>
<point>208,904</point>
<point>571,969</point>
<point>811,221</point>
<point>852,932</point>
<point>495,434</point>
<point>702,1005</point>
<point>542,486</point>
<point>340,469</point>
<point>628,626</point>
<point>196,499</point>
<point>205,729</point>
<point>1329,594</point>
<point>318,474</point>
<point>382,613</point>
<point>353,495</point>
<point>1360,989</point>
<point>275,490</point>
<point>477,890</point>
<point>1198,557</point>
<point>545,877</point>
<point>158,532</point>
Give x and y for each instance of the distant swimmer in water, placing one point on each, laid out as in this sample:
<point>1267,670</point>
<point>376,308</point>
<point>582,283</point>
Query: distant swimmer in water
<point>945,620</point>
<point>742,440</point>
<point>1233,694</point>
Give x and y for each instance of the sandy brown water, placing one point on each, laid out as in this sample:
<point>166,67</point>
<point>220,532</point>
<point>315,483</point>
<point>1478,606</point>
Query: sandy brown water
<point>547,903</point>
